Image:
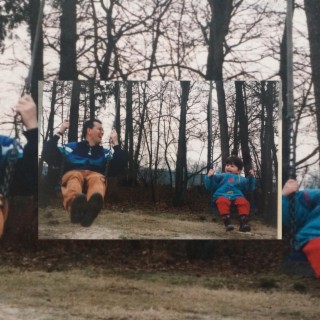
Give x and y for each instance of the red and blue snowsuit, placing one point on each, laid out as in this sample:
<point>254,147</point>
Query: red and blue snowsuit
<point>307,228</point>
<point>227,187</point>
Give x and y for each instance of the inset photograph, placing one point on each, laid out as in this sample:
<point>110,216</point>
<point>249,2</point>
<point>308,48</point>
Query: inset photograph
<point>159,160</point>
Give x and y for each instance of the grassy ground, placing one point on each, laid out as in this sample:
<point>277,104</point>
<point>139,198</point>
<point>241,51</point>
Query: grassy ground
<point>125,223</point>
<point>106,293</point>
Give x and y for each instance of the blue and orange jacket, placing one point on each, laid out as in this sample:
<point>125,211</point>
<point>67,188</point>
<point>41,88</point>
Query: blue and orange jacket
<point>82,156</point>
<point>307,216</point>
<point>229,185</point>
<point>25,175</point>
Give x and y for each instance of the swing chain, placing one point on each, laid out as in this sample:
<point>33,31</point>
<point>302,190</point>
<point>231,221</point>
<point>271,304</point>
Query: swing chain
<point>292,175</point>
<point>290,120</point>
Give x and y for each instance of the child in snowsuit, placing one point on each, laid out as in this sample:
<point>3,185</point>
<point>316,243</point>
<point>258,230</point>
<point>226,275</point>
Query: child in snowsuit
<point>228,187</point>
<point>25,165</point>
<point>307,221</point>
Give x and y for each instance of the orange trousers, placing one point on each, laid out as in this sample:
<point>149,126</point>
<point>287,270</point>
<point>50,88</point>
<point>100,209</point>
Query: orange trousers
<point>224,203</point>
<point>3,213</point>
<point>73,181</point>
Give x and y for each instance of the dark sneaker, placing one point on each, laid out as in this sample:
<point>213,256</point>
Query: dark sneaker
<point>227,222</point>
<point>244,225</point>
<point>78,208</point>
<point>95,204</point>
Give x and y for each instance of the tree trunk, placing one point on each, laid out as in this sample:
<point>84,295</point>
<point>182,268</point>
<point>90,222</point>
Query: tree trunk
<point>37,74</point>
<point>92,100</point>
<point>219,27</point>
<point>223,123</point>
<point>151,175</point>
<point>49,133</point>
<point>312,8</point>
<point>267,174</point>
<point>156,37</point>
<point>117,106</point>
<point>181,165</point>
<point>68,40</point>
<point>141,125</point>
<point>129,133</point>
<point>285,122</point>
<point>243,126</point>
<point>74,112</point>
<point>209,120</point>
<point>105,67</point>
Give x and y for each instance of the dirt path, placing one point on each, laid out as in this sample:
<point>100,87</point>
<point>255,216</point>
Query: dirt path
<point>96,293</point>
<point>54,223</point>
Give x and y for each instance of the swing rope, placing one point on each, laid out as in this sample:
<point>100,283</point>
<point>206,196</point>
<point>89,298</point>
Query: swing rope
<point>12,156</point>
<point>28,81</point>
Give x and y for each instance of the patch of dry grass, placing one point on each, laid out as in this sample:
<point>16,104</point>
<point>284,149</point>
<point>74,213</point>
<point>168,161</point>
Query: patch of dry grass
<point>100,294</point>
<point>54,223</point>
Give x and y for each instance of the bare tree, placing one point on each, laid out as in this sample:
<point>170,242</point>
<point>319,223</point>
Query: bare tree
<point>219,26</point>
<point>181,165</point>
<point>243,125</point>
<point>129,132</point>
<point>223,123</point>
<point>312,9</point>
<point>74,111</point>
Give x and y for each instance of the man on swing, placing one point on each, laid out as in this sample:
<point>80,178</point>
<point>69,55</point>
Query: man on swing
<point>84,163</point>
<point>307,220</point>
<point>23,178</point>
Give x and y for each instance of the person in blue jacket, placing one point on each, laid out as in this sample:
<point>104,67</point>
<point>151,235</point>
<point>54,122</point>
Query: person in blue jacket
<point>307,221</point>
<point>231,186</point>
<point>23,178</point>
<point>84,163</point>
